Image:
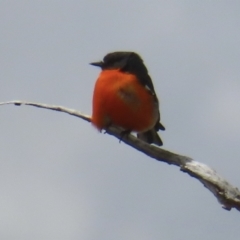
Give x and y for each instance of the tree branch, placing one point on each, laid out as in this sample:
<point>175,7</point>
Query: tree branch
<point>227,195</point>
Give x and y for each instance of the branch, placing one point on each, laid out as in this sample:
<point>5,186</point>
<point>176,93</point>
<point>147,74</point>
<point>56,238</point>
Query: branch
<point>227,195</point>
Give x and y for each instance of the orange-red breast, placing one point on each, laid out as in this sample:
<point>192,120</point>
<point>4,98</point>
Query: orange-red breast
<point>124,96</point>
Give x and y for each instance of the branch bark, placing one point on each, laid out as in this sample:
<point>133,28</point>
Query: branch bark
<point>227,195</point>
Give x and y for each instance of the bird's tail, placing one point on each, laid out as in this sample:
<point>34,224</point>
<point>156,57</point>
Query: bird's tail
<point>150,136</point>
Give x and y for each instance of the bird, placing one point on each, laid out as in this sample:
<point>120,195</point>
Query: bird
<point>124,96</point>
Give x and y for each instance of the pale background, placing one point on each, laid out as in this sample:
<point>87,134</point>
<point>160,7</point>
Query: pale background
<point>61,179</point>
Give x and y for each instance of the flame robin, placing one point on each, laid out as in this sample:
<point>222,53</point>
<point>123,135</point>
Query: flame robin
<point>124,96</point>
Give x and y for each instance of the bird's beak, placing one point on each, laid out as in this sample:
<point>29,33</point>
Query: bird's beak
<point>97,64</point>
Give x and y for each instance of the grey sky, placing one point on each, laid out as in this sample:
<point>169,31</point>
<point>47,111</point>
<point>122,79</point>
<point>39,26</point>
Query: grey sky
<point>59,177</point>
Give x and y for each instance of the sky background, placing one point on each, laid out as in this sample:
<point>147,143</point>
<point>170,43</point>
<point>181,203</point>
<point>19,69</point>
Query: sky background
<point>60,178</point>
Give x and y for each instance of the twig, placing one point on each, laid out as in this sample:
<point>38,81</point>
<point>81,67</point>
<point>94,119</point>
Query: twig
<point>227,195</point>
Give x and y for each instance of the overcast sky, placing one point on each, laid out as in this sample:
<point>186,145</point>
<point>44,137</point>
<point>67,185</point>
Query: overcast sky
<point>60,178</point>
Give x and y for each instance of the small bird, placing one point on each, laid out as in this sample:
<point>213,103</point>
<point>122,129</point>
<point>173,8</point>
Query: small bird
<point>124,96</point>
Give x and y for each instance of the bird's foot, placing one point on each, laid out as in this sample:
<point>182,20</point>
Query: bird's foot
<point>123,134</point>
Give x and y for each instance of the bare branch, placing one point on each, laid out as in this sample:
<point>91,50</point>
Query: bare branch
<point>226,194</point>
<point>51,107</point>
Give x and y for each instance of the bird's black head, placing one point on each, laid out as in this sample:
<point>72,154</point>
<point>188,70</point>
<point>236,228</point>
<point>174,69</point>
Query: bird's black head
<point>124,61</point>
